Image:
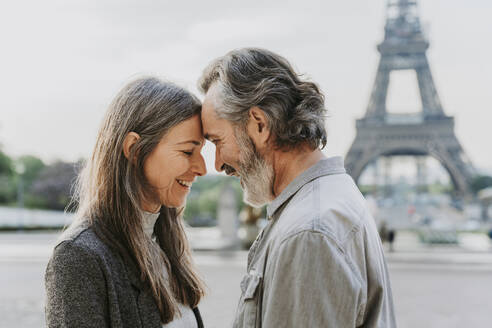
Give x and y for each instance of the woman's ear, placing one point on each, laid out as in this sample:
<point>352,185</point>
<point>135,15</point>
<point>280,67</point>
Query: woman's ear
<point>130,139</point>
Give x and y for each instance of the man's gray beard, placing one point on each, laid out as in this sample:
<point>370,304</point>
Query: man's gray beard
<point>256,174</point>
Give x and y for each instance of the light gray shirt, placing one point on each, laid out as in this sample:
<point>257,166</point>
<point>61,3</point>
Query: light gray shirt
<point>319,261</point>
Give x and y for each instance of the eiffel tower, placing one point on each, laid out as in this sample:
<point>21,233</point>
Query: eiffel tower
<point>429,132</point>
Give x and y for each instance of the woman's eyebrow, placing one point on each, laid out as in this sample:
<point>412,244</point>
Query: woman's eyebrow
<point>195,142</point>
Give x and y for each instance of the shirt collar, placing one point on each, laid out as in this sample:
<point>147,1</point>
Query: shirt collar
<point>332,165</point>
<point>148,223</point>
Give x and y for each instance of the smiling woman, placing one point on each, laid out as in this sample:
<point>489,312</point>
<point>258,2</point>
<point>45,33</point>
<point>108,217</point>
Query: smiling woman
<point>125,261</point>
<point>180,151</point>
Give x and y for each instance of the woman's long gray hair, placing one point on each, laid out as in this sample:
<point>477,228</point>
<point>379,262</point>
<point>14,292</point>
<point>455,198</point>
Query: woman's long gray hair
<point>111,188</point>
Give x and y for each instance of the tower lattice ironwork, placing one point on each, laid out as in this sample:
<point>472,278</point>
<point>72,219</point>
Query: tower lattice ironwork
<point>427,132</point>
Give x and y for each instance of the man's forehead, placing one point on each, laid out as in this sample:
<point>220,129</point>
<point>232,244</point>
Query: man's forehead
<point>214,126</point>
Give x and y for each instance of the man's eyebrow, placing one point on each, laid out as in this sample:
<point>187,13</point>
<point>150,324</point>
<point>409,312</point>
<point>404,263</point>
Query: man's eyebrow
<point>209,136</point>
<point>195,142</point>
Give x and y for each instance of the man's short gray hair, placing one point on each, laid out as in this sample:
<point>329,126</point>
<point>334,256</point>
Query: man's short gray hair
<point>251,77</point>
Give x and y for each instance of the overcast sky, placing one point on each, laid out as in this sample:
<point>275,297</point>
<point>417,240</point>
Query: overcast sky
<point>61,62</point>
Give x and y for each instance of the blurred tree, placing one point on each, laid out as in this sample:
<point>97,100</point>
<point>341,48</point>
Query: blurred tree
<point>437,187</point>
<point>32,168</point>
<point>481,182</point>
<point>6,164</point>
<point>207,202</point>
<point>191,209</point>
<point>368,189</point>
<point>201,205</point>
<point>52,188</point>
<point>239,192</point>
<point>7,179</point>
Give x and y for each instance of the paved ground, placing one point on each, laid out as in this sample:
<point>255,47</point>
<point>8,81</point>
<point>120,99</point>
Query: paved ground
<point>432,287</point>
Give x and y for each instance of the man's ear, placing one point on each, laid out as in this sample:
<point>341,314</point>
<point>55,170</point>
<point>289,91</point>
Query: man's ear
<point>258,127</point>
<point>130,139</point>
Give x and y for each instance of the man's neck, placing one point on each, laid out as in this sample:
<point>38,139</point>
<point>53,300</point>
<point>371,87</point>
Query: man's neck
<point>288,165</point>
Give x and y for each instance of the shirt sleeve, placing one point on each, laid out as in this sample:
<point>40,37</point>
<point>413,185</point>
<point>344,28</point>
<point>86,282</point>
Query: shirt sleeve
<point>75,289</point>
<point>311,283</point>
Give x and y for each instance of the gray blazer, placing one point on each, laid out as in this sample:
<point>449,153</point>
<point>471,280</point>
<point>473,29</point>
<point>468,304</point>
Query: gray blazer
<point>89,284</point>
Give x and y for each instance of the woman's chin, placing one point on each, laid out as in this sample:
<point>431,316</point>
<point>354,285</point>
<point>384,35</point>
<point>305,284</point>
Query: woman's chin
<point>175,203</point>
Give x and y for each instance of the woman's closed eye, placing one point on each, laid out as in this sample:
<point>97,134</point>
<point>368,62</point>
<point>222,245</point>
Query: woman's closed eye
<point>187,152</point>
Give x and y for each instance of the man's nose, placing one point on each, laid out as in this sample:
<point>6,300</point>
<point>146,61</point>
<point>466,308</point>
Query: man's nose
<point>219,163</point>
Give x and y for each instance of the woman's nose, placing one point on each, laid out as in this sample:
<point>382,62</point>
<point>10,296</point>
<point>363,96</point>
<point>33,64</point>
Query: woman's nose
<point>200,167</point>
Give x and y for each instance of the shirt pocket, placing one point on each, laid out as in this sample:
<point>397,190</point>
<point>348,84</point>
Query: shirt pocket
<point>249,309</point>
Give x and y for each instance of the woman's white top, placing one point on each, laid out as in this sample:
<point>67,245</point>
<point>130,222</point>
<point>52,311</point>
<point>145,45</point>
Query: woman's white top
<point>187,318</point>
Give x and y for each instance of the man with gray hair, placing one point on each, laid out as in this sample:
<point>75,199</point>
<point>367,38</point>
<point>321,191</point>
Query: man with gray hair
<point>319,261</point>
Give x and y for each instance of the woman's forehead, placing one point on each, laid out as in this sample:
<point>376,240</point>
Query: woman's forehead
<point>189,131</point>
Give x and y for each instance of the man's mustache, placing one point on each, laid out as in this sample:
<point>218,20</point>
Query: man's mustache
<point>228,169</point>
